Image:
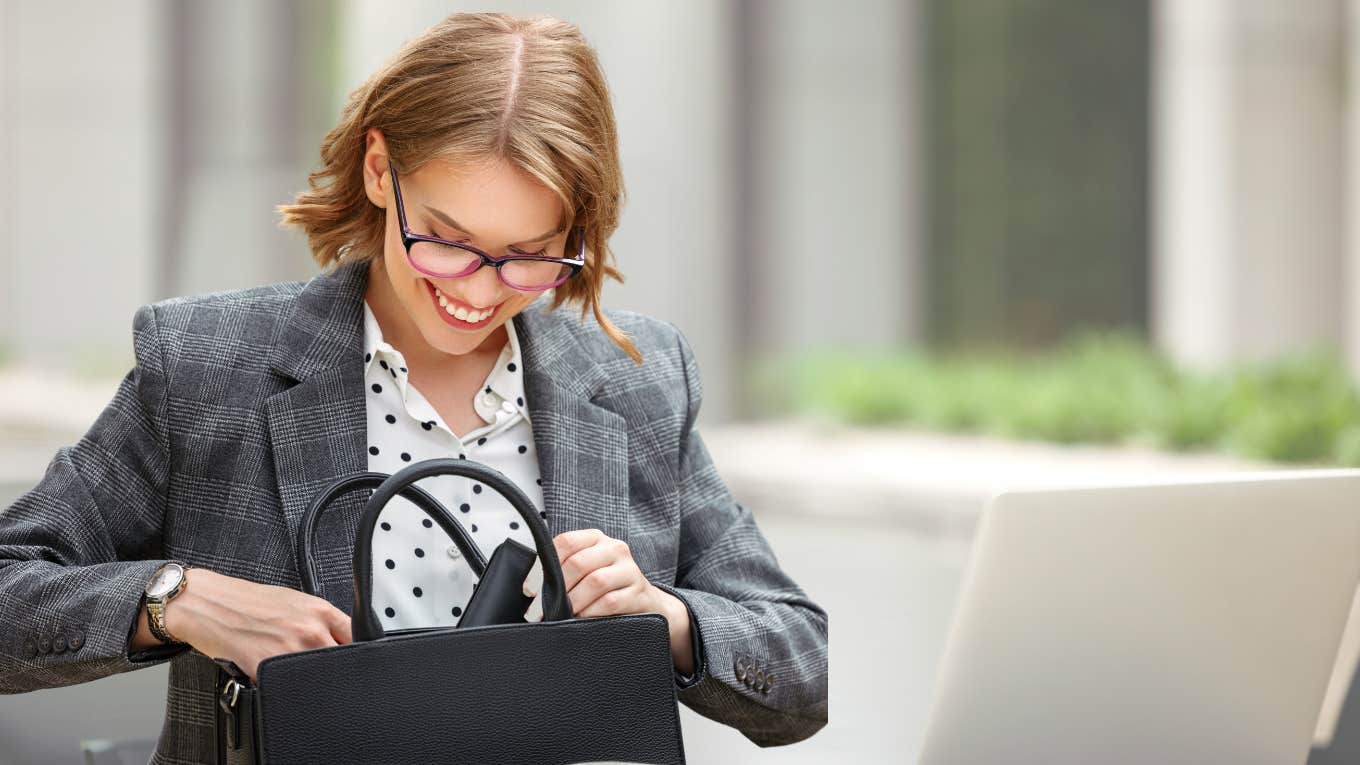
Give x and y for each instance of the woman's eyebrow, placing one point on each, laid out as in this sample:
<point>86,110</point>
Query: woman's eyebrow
<point>451,223</point>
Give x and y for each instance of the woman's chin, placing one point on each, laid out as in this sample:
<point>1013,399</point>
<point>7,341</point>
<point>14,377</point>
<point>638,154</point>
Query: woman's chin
<point>444,340</point>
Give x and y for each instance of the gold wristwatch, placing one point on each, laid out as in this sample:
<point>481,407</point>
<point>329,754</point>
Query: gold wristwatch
<point>168,581</point>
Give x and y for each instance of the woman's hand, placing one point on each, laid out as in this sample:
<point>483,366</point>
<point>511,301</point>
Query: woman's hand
<point>247,622</point>
<point>603,579</point>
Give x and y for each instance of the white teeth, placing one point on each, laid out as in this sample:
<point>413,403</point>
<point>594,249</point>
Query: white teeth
<point>464,314</point>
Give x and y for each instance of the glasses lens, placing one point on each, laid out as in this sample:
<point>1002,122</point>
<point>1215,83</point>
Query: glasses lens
<point>533,274</point>
<point>442,259</point>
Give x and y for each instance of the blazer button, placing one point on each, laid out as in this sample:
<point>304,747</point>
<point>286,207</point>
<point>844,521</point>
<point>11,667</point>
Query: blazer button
<point>769,681</point>
<point>30,648</point>
<point>76,640</point>
<point>740,669</point>
<point>44,644</point>
<point>59,642</point>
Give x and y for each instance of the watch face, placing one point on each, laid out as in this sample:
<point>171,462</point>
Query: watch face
<point>166,579</point>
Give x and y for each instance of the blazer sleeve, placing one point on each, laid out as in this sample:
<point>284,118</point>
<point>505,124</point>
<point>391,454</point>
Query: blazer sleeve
<point>761,663</point>
<point>77,550</point>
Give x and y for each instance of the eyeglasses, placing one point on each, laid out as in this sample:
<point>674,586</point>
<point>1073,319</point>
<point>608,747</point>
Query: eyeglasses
<point>437,257</point>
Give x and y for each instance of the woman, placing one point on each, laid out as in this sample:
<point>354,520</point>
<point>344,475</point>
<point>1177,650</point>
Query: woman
<point>468,191</point>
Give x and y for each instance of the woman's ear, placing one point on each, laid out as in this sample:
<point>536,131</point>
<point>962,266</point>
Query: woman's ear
<point>375,167</point>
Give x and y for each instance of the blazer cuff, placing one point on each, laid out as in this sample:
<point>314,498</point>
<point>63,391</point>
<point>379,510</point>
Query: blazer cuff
<point>696,641</point>
<point>155,653</point>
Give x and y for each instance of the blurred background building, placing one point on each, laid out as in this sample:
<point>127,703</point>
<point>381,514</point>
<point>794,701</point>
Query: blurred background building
<point>876,174</point>
<point>800,174</point>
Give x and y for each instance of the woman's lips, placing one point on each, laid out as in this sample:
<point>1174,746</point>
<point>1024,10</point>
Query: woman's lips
<point>450,319</point>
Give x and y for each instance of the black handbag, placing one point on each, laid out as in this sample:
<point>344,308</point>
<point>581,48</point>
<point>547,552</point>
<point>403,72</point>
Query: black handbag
<point>494,689</point>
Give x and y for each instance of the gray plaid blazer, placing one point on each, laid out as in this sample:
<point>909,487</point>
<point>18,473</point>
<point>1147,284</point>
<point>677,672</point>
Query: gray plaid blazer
<point>243,403</point>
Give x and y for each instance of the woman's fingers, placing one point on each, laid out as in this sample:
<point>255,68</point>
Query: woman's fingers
<point>342,632</point>
<point>339,624</point>
<point>534,613</point>
<point>605,551</point>
<point>600,574</point>
<point>599,583</point>
<point>568,543</point>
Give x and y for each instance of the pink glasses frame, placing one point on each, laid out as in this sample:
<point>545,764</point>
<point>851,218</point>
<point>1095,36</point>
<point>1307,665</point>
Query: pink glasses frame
<point>408,239</point>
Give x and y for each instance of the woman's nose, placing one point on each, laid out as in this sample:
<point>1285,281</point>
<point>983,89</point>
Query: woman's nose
<point>481,288</point>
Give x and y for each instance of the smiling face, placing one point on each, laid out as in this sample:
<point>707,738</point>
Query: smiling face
<point>491,205</point>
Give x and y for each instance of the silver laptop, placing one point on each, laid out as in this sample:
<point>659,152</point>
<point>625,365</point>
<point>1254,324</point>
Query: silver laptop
<point>1172,623</point>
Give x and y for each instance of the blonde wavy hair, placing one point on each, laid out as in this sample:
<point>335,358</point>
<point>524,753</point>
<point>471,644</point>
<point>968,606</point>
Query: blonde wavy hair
<point>478,86</point>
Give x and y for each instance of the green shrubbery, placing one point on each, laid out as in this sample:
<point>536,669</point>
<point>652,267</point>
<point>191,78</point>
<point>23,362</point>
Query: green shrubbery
<point>1105,388</point>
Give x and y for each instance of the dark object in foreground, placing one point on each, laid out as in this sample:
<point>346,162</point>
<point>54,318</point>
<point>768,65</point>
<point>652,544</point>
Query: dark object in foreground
<point>563,690</point>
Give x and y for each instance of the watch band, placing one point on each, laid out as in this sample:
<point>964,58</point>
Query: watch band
<point>155,618</point>
<point>155,609</point>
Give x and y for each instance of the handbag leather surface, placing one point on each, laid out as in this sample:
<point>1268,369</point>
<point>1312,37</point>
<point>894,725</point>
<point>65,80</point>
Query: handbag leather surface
<point>493,689</point>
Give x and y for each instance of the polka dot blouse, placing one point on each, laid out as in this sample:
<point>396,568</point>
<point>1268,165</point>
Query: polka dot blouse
<point>419,577</point>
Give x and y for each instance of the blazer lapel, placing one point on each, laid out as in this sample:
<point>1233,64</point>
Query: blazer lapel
<point>582,445</point>
<point>318,427</point>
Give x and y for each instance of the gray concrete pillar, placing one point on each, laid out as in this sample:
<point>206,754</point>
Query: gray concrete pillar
<point>9,316</point>
<point>1351,197</point>
<point>839,231</point>
<point>82,147</point>
<point>1247,260</point>
<point>243,141</point>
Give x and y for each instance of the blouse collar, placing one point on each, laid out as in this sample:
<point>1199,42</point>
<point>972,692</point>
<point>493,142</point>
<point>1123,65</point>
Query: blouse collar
<point>503,388</point>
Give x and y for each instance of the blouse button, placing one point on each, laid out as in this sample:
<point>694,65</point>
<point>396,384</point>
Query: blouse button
<point>453,551</point>
<point>489,399</point>
<point>507,406</point>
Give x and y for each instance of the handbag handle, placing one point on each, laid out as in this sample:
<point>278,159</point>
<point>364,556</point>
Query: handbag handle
<point>416,495</point>
<point>364,623</point>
